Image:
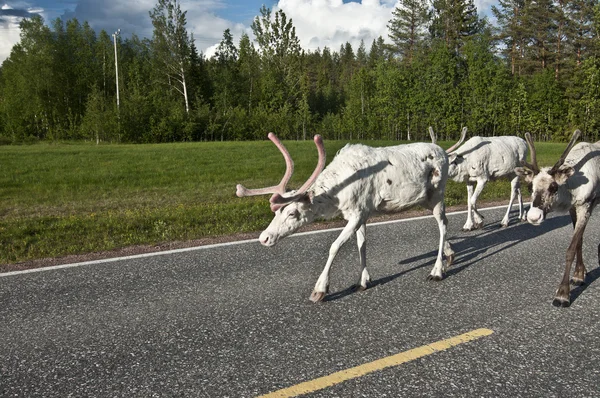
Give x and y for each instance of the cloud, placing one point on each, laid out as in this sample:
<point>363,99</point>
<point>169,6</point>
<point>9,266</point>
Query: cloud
<point>319,23</point>
<point>133,17</point>
<point>332,23</point>
<point>10,33</point>
<point>6,14</point>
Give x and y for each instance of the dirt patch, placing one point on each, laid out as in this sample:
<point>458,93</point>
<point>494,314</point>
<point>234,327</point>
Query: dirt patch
<point>141,249</point>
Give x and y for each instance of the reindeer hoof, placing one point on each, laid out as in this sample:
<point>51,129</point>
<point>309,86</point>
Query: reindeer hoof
<point>315,297</point>
<point>434,278</point>
<point>561,302</point>
<point>577,281</point>
<point>360,288</point>
<point>449,260</point>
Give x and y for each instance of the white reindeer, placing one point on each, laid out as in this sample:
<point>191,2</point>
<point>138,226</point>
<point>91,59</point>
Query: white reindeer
<point>483,159</point>
<point>573,185</point>
<point>359,181</point>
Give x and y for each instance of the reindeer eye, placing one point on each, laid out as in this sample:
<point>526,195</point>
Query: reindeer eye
<point>553,187</point>
<point>293,214</point>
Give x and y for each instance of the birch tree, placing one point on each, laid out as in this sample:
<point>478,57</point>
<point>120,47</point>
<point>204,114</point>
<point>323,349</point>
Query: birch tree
<point>171,45</point>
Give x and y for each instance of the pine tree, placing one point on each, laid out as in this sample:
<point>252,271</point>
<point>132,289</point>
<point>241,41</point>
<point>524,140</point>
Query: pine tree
<point>580,28</point>
<point>453,21</point>
<point>248,66</point>
<point>510,16</point>
<point>407,28</point>
<point>541,21</point>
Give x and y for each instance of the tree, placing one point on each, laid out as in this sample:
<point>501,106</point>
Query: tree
<point>541,20</point>
<point>453,21</point>
<point>580,28</point>
<point>510,16</point>
<point>171,45</point>
<point>249,69</point>
<point>99,122</point>
<point>28,85</point>
<point>226,80</point>
<point>280,52</point>
<point>408,27</point>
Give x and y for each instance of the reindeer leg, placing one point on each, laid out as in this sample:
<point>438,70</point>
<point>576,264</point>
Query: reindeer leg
<point>578,278</point>
<point>582,215</point>
<point>437,273</point>
<point>361,238</point>
<point>522,214</point>
<point>514,189</point>
<point>580,271</point>
<point>469,223</point>
<point>477,217</point>
<point>322,284</point>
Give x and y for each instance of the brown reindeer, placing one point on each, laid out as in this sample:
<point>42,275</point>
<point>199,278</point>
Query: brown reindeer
<point>573,185</point>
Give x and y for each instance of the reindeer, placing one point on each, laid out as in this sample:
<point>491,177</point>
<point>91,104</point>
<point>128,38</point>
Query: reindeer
<point>359,181</point>
<point>483,159</point>
<point>573,185</point>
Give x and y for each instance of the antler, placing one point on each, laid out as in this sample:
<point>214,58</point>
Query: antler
<point>277,200</point>
<point>280,188</point>
<point>533,166</point>
<point>432,135</point>
<point>560,161</point>
<point>463,134</point>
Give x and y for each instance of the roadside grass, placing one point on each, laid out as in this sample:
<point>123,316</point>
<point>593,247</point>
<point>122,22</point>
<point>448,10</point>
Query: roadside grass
<point>74,198</point>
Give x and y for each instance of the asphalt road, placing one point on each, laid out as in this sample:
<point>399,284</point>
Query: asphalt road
<point>235,320</point>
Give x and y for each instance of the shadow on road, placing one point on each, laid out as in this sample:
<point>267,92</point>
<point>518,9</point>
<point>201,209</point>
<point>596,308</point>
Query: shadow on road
<point>589,279</point>
<point>490,240</point>
<point>477,246</point>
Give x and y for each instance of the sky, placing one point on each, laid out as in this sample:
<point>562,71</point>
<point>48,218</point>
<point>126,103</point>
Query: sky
<point>318,23</point>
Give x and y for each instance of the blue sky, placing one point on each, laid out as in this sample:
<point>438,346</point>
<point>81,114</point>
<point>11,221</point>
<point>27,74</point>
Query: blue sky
<point>318,23</point>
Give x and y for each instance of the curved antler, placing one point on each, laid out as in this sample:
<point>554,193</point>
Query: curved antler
<point>533,166</point>
<point>280,188</point>
<point>560,161</point>
<point>277,200</point>
<point>463,134</point>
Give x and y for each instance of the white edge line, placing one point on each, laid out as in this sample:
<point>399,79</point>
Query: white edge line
<point>205,247</point>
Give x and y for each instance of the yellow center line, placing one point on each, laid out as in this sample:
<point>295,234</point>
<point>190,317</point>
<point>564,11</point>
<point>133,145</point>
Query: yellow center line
<point>393,360</point>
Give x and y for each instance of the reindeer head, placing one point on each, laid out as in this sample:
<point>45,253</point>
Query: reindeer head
<point>547,185</point>
<point>455,161</point>
<point>292,209</point>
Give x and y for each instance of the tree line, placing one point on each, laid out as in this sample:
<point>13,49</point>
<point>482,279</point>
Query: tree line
<point>444,66</point>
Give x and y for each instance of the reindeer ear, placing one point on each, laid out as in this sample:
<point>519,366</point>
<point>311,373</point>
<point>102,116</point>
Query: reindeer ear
<point>452,157</point>
<point>562,174</point>
<point>522,171</point>
<point>525,173</point>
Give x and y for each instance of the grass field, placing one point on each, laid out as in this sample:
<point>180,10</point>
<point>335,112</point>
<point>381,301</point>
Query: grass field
<point>60,199</point>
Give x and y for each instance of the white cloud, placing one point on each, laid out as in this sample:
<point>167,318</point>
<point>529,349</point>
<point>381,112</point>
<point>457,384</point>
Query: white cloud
<point>132,17</point>
<point>9,25</point>
<point>10,18</point>
<point>319,23</point>
<point>332,23</point>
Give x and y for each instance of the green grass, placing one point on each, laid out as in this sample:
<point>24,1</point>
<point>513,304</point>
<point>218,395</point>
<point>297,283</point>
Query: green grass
<point>65,199</point>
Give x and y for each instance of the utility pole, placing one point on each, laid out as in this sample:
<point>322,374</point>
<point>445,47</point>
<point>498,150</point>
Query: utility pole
<point>115,35</point>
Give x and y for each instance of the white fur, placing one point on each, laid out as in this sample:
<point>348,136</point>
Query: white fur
<point>483,159</point>
<point>362,180</point>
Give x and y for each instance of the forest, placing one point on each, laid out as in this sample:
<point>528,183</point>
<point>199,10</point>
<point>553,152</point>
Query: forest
<point>535,69</point>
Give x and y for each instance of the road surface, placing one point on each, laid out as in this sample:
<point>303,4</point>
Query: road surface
<point>235,320</point>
